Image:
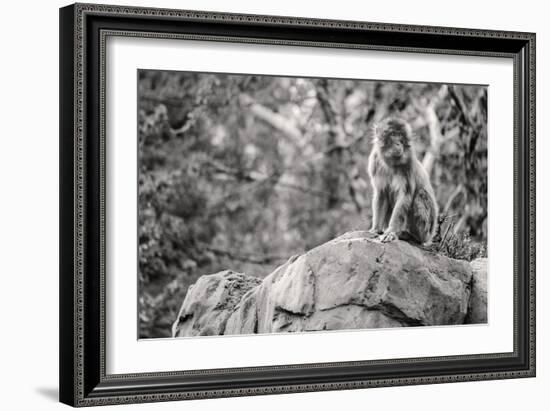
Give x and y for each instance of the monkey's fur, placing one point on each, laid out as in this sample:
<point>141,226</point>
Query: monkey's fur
<point>403,204</point>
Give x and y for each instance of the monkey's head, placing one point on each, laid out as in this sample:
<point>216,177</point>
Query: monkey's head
<point>392,137</point>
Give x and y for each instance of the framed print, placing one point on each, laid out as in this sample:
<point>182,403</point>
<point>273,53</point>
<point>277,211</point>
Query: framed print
<point>262,204</point>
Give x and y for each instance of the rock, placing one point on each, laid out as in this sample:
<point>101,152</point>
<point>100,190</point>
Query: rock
<point>210,301</point>
<point>477,307</point>
<point>351,282</point>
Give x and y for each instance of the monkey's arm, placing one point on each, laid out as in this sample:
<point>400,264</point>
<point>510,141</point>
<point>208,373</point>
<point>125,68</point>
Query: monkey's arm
<point>398,217</point>
<point>379,211</point>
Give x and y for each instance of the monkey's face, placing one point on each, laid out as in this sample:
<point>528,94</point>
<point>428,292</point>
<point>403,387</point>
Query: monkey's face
<point>395,149</point>
<point>392,137</point>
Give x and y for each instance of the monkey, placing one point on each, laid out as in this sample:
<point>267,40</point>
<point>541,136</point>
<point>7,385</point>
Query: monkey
<point>403,204</point>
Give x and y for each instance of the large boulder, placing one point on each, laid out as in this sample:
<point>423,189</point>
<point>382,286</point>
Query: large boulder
<point>352,282</point>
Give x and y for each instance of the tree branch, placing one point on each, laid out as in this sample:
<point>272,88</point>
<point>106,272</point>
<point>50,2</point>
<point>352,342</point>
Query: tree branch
<point>457,191</point>
<point>274,119</point>
<point>336,138</point>
<point>247,257</point>
<point>436,139</point>
<point>258,178</point>
<point>462,107</point>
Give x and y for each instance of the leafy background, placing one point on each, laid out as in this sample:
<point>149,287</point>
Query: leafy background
<point>244,171</point>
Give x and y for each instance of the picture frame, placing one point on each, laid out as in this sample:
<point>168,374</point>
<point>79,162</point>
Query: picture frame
<point>84,29</point>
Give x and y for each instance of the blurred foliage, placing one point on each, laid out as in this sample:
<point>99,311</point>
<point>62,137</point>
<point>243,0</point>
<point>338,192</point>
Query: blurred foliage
<point>244,171</point>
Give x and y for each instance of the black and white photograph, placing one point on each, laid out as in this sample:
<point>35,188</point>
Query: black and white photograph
<point>271,204</point>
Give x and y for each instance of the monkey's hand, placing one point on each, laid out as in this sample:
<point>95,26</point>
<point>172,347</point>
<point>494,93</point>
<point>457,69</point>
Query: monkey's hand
<point>388,237</point>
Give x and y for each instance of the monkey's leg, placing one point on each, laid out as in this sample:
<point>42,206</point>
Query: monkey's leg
<point>379,211</point>
<point>422,217</point>
<point>398,218</point>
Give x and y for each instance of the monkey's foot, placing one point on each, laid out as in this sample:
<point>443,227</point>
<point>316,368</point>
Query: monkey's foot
<point>375,232</point>
<point>388,237</point>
